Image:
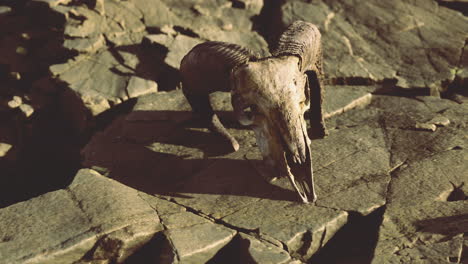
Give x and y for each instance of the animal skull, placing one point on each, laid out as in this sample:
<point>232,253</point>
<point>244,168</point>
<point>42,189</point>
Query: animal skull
<point>270,94</point>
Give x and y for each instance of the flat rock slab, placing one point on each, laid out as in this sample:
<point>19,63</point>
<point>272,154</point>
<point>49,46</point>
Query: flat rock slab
<point>88,219</point>
<point>364,42</point>
<point>427,211</point>
<point>426,206</point>
<point>98,220</point>
<point>158,149</point>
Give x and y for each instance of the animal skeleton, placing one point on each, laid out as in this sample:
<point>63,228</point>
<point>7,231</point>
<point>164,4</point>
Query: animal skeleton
<point>270,94</point>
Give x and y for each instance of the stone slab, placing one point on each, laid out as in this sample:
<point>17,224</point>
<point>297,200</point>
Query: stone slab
<point>363,46</point>
<point>95,217</point>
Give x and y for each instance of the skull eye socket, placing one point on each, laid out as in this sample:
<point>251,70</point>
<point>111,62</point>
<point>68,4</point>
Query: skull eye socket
<point>246,114</point>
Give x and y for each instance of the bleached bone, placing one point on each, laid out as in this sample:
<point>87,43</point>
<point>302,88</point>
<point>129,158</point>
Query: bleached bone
<point>270,94</point>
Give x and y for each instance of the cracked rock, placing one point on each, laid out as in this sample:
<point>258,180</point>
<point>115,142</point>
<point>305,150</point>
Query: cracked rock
<point>418,226</point>
<point>255,251</point>
<point>380,45</point>
<point>110,54</point>
<point>95,218</point>
<point>183,163</point>
<point>205,240</point>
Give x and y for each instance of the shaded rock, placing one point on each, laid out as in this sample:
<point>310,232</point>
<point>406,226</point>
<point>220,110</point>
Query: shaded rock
<point>4,148</point>
<point>255,251</point>
<point>206,239</point>
<point>362,148</point>
<point>15,102</point>
<point>431,232</point>
<point>108,39</point>
<point>178,47</point>
<point>167,154</point>
<point>375,46</point>
<point>94,217</point>
<point>87,45</point>
<point>138,86</point>
<point>112,71</point>
<point>4,10</point>
<point>339,99</point>
<point>418,225</point>
<point>27,109</point>
<point>435,175</point>
<point>53,3</point>
<point>189,238</point>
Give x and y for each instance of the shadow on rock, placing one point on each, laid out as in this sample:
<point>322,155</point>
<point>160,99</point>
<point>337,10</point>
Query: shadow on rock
<point>355,242</point>
<point>450,225</point>
<point>167,153</point>
<point>45,147</point>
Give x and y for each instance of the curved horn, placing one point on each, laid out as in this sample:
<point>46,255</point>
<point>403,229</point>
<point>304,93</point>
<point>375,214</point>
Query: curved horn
<point>301,39</point>
<point>205,69</point>
<point>218,54</point>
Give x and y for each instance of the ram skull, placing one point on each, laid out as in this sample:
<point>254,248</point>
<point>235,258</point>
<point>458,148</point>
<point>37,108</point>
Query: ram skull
<point>269,94</point>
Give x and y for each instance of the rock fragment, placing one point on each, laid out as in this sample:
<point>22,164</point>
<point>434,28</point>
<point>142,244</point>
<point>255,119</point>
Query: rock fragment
<point>138,86</point>
<point>426,126</point>
<point>440,120</point>
<point>4,148</point>
<point>27,109</point>
<point>4,10</point>
<point>15,102</point>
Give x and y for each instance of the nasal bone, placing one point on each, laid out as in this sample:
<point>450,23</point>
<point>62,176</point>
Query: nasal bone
<point>298,150</point>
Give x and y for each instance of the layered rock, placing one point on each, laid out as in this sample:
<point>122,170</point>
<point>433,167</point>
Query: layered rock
<point>108,37</point>
<point>369,43</point>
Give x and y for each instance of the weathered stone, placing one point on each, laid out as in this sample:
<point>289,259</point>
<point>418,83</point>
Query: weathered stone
<point>178,46</point>
<point>205,241</point>
<point>53,3</point>
<point>85,74</point>
<point>296,226</point>
<point>418,220</point>
<point>430,232</point>
<point>185,166</point>
<point>440,120</point>
<point>91,44</point>
<point>4,10</point>
<point>382,45</point>
<point>426,126</point>
<point>255,251</point>
<point>15,102</point>
<point>138,86</point>
<point>94,217</point>
<point>339,99</point>
<point>4,148</point>
<point>27,110</point>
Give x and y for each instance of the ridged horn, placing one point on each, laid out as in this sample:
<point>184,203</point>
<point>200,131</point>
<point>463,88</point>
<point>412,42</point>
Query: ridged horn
<point>301,39</point>
<point>206,69</point>
<point>224,54</point>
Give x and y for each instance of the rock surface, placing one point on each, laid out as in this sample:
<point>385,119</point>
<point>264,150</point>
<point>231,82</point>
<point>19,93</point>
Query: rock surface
<point>172,193</point>
<point>109,42</point>
<point>227,187</point>
<point>380,45</point>
<point>92,214</point>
